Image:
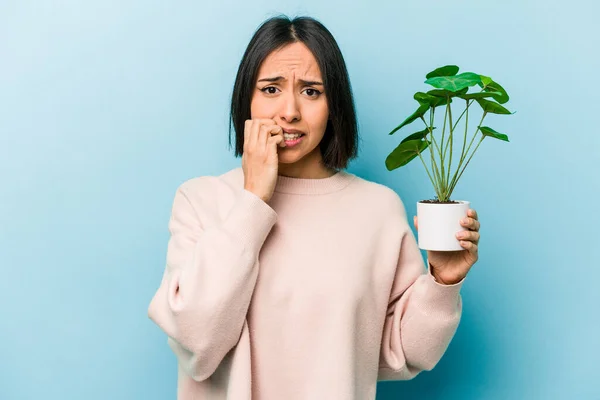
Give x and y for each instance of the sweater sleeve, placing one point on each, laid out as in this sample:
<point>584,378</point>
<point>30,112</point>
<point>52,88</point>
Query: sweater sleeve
<point>210,275</point>
<point>422,317</point>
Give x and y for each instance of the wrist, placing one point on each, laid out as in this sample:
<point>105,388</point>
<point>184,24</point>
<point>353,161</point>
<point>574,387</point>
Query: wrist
<point>444,279</point>
<point>257,194</point>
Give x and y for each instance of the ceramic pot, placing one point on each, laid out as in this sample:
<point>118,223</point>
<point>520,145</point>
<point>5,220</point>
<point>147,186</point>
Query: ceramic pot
<point>439,224</point>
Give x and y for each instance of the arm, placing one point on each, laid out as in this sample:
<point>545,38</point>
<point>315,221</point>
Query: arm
<point>209,279</point>
<point>421,319</point>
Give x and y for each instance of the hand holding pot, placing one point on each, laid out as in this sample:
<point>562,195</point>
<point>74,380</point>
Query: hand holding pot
<point>450,267</point>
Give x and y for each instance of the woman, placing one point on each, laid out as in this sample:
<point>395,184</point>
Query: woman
<point>290,278</point>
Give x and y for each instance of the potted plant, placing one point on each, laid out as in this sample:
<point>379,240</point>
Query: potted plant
<point>439,219</point>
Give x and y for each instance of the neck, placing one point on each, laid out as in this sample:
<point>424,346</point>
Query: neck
<point>306,168</point>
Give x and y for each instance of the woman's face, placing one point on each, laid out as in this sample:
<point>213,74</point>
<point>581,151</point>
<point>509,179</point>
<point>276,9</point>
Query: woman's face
<point>289,90</point>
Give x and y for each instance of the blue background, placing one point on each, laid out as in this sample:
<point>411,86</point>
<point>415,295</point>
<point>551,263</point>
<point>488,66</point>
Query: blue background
<point>107,106</point>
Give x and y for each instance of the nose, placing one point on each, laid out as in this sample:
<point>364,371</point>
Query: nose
<point>290,110</point>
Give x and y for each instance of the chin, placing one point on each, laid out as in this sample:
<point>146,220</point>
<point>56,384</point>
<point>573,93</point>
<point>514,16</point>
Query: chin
<point>288,159</point>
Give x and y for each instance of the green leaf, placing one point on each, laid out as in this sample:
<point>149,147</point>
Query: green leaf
<point>419,113</point>
<point>417,135</point>
<point>447,70</point>
<point>492,107</point>
<point>405,153</point>
<point>455,83</point>
<point>492,86</point>
<point>487,131</point>
<point>444,92</point>
<point>479,95</point>
<point>485,80</point>
<point>433,101</point>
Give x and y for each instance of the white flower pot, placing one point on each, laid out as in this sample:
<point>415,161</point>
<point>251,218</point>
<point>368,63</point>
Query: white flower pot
<point>438,225</point>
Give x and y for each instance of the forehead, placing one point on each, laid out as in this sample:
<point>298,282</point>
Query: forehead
<point>295,57</point>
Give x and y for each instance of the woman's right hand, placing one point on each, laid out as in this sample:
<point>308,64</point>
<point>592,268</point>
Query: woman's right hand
<point>260,161</point>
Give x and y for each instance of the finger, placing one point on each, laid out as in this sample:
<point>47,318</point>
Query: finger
<point>416,222</point>
<point>264,125</point>
<point>269,131</point>
<point>470,223</point>
<point>253,134</point>
<point>472,213</point>
<point>471,236</point>
<point>275,141</point>
<point>470,246</point>
<point>247,127</point>
<point>277,131</point>
<point>261,141</point>
<point>265,122</point>
<point>255,131</point>
<point>248,134</point>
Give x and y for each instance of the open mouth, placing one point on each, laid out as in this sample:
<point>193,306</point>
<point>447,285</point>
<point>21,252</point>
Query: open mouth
<point>292,140</point>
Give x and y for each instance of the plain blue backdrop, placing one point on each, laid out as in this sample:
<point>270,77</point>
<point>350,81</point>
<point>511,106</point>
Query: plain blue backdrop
<point>107,106</point>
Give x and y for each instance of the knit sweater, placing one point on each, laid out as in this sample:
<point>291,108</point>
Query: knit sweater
<point>316,294</point>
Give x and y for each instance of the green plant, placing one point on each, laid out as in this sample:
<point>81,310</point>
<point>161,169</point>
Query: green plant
<point>448,86</point>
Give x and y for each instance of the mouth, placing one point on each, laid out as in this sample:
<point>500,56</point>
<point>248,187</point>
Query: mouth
<point>292,137</point>
<point>292,134</point>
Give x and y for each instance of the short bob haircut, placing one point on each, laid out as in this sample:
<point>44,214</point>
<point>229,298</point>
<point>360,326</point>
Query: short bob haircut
<point>340,140</point>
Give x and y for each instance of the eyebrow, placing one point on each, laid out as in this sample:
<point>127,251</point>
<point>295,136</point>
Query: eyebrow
<point>281,78</point>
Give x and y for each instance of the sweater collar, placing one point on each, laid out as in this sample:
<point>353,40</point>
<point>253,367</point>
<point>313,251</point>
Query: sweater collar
<point>309,186</point>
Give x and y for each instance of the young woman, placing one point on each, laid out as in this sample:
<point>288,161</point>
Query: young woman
<point>288,277</point>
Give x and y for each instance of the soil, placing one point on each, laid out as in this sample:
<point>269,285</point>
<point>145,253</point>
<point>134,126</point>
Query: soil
<point>435,201</point>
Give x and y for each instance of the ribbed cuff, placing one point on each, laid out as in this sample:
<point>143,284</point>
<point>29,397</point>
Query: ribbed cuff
<point>250,219</point>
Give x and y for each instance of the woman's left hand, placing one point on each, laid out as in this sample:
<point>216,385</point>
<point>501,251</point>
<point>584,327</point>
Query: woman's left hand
<point>450,267</point>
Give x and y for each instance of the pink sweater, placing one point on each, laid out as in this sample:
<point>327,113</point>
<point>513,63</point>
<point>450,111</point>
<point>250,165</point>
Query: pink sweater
<point>317,294</point>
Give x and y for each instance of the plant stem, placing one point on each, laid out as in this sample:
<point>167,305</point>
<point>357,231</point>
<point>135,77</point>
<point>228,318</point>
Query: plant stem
<point>468,104</point>
<point>434,164</point>
<point>466,127</point>
<point>442,144</point>
<point>430,178</point>
<point>441,179</point>
<point>472,154</point>
<point>449,111</point>
<point>451,140</point>
<point>476,130</point>
<point>430,128</point>
<point>464,154</point>
<point>437,172</point>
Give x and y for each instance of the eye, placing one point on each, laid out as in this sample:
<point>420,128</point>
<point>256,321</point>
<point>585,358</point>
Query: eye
<point>268,90</point>
<point>312,92</point>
